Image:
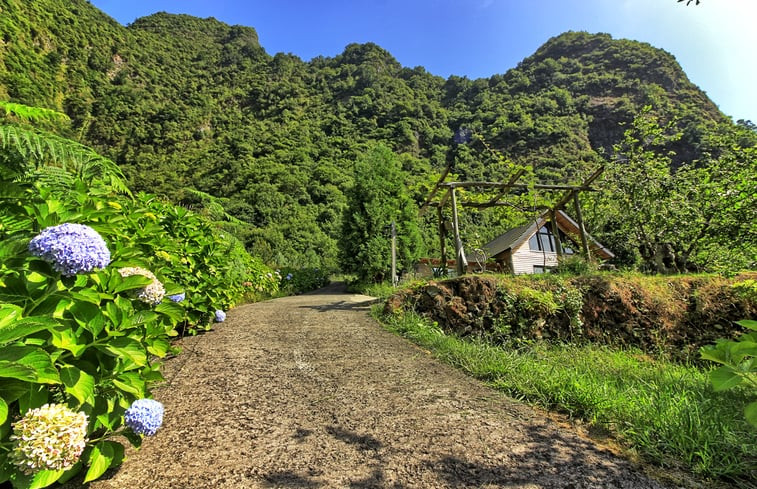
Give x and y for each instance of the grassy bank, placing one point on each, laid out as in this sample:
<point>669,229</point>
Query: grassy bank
<point>665,412</point>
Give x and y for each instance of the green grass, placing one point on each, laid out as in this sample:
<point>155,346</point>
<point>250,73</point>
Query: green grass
<point>665,412</point>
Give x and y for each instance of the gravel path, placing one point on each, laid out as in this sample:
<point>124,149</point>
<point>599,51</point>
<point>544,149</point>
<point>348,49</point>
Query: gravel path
<point>310,392</point>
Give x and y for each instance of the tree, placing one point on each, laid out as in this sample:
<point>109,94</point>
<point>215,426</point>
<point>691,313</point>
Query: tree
<point>699,215</point>
<point>378,198</point>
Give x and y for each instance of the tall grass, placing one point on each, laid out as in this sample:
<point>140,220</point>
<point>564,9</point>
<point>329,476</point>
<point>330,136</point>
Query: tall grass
<point>665,412</point>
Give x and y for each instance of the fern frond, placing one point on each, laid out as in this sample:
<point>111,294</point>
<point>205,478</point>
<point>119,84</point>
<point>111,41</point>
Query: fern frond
<point>38,148</point>
<point>53,177</point>
<point>27,113</point>
<point>12,223</point>
<point>213,207</point>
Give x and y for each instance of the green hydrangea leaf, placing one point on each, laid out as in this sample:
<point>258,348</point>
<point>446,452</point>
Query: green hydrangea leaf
<point>748,323</point>
<point>128,349</point>
<point>78,383</point>
<point>132,282</point>
<point>38,480</point>
<point>3,410</point>
<point>100,459</point>
<point>171,309</point>
<point>28,363</point>
<point>24,327</point>
<point>9,314</point>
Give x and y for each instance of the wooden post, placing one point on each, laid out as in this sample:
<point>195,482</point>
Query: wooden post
<point>394,254</point>
<point>581,227</point>
<point>460,263</point>
<point>555,232</point>
<point>443,239</point>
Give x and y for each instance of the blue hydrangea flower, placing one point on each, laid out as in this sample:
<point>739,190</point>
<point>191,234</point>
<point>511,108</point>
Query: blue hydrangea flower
<point>71,248</point>
<point>178,297</point>
<point>220,316</point>
<point>144,416</point>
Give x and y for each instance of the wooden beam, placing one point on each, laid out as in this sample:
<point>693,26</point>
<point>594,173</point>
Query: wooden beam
<point>445,198</point>
<point>484,205</point>
<point>500,185</point>
<point>569,195</point>
<point>460,263</point>
<point>431,195</point>
<point>509,184</point>
<point>442,238</point>
<point>581,227</point>
<point>556,232</point>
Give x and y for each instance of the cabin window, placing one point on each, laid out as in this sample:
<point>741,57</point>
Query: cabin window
<point>544,240</point>
<point>542,269</point>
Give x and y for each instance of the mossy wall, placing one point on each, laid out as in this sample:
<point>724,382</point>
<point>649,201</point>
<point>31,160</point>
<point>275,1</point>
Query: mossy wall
<point>671,315</point>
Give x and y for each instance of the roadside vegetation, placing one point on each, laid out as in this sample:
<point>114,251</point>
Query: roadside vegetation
<point>666,412</point>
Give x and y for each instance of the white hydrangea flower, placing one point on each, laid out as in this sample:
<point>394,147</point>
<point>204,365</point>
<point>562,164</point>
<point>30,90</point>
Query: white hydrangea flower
<point>154,292</point>
<point>51,437</point>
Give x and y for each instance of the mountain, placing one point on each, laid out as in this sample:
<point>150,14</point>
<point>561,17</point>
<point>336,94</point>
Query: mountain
<point>184,104</point>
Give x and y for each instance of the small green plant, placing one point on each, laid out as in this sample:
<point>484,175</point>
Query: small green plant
<point>538,302</point>
<point>738,365</point>
<point>747,289</point>
<point>575,265</point>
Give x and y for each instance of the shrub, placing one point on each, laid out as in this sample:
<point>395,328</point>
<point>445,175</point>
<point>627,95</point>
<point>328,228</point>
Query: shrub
<point>85,327</point>
<point>301,280</point>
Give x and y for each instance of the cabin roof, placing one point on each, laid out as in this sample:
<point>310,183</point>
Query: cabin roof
<point>517,236</point>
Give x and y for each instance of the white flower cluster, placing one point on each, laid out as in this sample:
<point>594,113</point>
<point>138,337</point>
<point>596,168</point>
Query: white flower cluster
<point>51,437</point>
<point>153,293</point>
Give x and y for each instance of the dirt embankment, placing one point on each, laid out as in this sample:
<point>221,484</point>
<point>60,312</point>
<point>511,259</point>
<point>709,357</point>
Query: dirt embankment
<point>676,315</point>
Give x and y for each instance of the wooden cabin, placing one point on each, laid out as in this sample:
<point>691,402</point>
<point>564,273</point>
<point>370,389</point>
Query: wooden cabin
<point>532,248</point>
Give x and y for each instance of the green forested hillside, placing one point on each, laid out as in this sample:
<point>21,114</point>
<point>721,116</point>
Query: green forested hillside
<point>185,105</point>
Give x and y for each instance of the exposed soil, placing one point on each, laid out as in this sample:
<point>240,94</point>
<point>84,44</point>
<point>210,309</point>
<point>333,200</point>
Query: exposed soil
<point>675,315</point>
<point>310,391</point>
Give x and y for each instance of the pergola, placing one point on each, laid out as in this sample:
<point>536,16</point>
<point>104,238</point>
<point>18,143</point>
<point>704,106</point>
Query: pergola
<point>449,195</point>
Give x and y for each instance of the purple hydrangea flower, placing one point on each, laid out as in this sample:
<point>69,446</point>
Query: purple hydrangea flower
<point>220,316</point>
<point>71,248</point>
<point>178,297</point>
<point>144,416</point>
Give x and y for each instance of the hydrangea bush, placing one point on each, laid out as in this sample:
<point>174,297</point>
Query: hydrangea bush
<point>301,280</point>
<point>84,322</point>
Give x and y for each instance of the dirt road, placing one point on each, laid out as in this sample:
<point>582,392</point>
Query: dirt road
<point>310,392</point>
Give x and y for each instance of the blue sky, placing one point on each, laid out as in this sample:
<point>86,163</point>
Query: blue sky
<point>715,42</point>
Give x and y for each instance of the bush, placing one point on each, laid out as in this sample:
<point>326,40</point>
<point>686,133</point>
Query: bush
<point>301,280</point>
<point>88,335</point>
